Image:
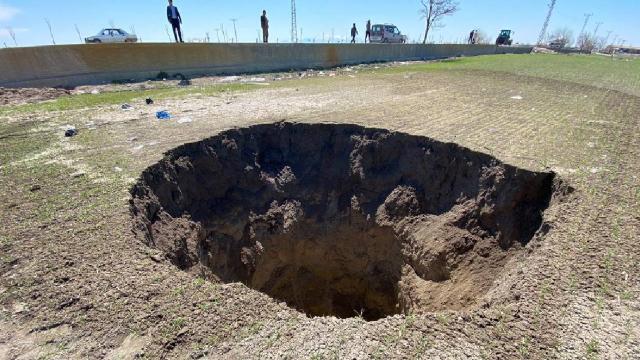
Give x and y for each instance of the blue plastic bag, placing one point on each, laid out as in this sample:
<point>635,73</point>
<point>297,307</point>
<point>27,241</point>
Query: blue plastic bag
<point>163,115</point>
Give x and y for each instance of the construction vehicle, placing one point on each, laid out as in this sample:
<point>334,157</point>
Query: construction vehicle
<point>504,38</point>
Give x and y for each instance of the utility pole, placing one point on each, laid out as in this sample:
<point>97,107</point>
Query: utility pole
<point>595,32</point>
<point>586,21</point>
<point>224,34</point>
<point>294,22</point>
<point>53,40</point>
<point>78,31</point>
<point>606,39</point>
<point>235,32</point>
<point>543,32</point>
<point>13,36</point>
<point>166,29</point>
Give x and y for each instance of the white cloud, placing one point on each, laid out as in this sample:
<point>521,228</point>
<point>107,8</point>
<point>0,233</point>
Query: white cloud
<point>7,12</point>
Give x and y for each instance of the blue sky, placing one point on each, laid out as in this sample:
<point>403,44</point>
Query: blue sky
<point>525,17</point>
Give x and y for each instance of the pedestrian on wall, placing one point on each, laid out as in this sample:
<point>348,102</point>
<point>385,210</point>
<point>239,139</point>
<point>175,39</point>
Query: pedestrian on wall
<point>264,24</point>
<point>173,15</point>
<point>368,33</point>
<point>354,32</point>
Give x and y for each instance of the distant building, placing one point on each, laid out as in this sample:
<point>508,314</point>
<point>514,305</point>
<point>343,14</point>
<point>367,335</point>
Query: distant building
<point>623,50</point>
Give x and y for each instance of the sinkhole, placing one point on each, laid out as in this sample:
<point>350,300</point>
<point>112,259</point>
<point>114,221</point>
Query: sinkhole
<point>342,220</point>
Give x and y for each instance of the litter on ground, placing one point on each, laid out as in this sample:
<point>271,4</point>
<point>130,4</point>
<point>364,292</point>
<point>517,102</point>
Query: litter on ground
<point>163,115</point>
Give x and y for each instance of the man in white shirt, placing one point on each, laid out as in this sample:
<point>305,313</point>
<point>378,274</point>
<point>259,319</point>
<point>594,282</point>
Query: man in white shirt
<point>173,15</point>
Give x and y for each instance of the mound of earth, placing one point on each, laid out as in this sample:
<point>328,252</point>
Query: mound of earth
<point>341,220</point>
<point>29,95</point>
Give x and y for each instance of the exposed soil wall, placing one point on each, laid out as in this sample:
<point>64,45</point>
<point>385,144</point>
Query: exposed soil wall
<point>339,219</point>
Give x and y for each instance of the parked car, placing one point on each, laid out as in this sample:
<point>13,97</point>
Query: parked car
<point>559,43</point>
<point>112,36</point>
<point>387,33</point>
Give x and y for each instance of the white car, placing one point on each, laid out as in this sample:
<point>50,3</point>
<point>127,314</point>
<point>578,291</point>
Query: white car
<point>387,33</point>
<point>112,36</point>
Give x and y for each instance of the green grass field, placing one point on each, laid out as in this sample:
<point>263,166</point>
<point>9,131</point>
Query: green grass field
<point>599,71</point>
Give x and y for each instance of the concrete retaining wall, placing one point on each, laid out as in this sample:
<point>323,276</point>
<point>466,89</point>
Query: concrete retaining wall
<point>72,65</point>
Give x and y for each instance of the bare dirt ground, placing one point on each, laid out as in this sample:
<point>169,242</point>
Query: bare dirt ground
<point>25,96</point>
<point>77,283</point>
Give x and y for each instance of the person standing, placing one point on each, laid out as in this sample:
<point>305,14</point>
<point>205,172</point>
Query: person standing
<point>367,35</point>
<point>173,15</point>
<point>264,23</point>
<point>354,32</point>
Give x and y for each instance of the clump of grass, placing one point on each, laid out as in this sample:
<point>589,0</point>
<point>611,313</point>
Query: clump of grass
<point>593,348</point>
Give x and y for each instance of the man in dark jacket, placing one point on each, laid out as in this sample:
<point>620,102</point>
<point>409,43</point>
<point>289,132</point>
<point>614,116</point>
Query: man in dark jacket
<point>354,33</point>
<point>264,24</point>
<point>173,15</point>
<point>368,33</point>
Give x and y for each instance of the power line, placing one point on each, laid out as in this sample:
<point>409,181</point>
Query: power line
<point>294,22</point>
<point>543,32</point>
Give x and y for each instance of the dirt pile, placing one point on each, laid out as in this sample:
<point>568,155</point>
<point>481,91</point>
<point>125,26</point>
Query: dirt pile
<point>341,220</point>
<point>29,95</point>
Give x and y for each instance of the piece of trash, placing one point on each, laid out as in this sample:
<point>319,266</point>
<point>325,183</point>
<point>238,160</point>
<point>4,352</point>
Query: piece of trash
<point>517,97</point>
<point>70,131</point>
<point>228,79</point>
<point>149,101</point>
<point>163,115</point>
<point>117,169</point>
<point>95,92</point>
<point>185,120</point>
<point>126,107</point>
